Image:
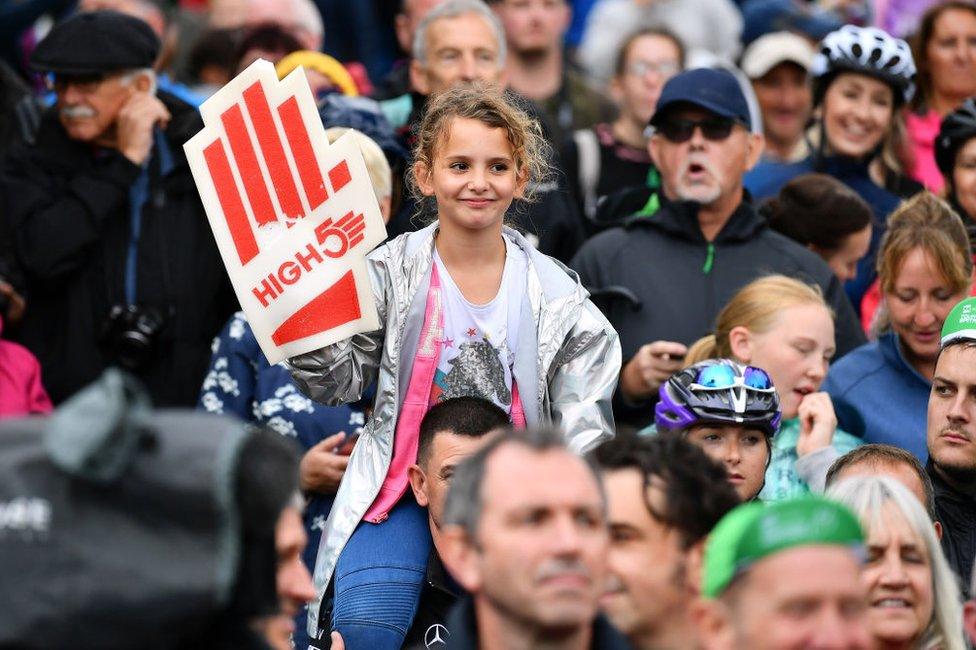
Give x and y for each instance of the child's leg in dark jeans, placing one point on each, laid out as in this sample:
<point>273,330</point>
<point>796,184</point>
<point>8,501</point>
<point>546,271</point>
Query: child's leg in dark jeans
<point>379,576</point>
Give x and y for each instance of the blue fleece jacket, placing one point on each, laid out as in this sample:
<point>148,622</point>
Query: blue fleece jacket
<point>880,397</point>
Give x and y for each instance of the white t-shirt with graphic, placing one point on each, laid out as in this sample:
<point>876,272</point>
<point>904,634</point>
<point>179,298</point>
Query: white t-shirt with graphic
<point>479,341</point>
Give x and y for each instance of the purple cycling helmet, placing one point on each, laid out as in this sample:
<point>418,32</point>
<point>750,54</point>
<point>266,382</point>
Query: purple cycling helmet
<point>718,391</point>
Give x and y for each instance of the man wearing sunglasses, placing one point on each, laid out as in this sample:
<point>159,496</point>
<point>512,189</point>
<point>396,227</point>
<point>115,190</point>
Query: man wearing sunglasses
<point>687,248</point>
<point>121,266</point>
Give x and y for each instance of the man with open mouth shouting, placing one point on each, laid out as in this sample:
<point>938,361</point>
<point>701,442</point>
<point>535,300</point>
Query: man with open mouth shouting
<point>700,230</point>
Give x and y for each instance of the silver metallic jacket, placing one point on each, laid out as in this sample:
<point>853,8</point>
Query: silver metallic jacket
<point>566,363</point>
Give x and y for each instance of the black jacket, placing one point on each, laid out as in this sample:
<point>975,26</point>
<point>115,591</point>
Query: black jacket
<point>464,631</point>
<point>682,281</point>
<point>68,205</point>
<point>439,595</point>
<point>957,513</point>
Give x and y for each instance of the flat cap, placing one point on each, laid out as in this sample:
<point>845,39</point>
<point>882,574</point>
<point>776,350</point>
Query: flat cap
<point>96,42</point>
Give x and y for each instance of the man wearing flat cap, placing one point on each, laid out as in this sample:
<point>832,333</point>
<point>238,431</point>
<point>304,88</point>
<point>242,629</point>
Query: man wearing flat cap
<point>686,249</point>
<point>119,261</point>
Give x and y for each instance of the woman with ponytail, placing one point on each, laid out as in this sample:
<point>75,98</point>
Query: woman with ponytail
<point>784,326</point>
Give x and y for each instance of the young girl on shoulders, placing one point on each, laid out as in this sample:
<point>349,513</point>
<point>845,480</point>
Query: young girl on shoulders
<point>468,307</point>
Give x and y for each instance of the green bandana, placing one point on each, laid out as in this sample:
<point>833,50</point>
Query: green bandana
<point>753,531</point>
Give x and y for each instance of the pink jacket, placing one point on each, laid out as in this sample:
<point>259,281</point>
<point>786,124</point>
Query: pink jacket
<point>21,391</point>
<point>922,132</point>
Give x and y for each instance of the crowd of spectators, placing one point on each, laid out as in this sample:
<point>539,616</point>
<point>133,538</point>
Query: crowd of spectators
<point>677,343</point>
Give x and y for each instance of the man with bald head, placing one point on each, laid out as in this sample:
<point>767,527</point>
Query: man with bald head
<point>538,69</point>
<point>300,18</point>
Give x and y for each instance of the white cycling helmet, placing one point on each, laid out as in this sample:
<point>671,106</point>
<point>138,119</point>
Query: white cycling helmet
<point>867,50</point>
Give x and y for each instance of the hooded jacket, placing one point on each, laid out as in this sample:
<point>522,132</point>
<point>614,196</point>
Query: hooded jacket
<point>682,281</point>
<point>566,366</point>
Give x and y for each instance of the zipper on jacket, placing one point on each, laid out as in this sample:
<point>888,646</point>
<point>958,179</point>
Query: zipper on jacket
<point>709,259</point>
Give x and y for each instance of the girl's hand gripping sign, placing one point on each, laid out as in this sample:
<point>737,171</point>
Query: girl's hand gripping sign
<point>293,216</point>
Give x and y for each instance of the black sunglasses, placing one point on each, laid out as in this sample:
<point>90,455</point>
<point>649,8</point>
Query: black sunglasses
<point>86,83</point>
<point>713,128</point>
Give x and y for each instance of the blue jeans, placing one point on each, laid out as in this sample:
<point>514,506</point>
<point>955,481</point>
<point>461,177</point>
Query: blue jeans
<point>379,577</point>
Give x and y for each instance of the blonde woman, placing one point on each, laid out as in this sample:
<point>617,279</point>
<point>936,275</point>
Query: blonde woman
<point>784,326</point>
<point>913,598</point>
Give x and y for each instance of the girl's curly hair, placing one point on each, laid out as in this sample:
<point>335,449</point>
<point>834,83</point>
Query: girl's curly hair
<point>488,104</point>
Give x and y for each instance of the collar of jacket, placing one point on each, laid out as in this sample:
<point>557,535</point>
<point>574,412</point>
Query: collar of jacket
<point>554,300</point>
<point>438,577</point>
<point>464,630</point>
<point>680,219</point>
<point>890,346</point>
<point>845,169</point>
<point>842,166</point>
<point>556,280</point>
<point>942,489</point>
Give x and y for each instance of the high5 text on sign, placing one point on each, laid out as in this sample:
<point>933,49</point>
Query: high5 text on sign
<point>293,215</point>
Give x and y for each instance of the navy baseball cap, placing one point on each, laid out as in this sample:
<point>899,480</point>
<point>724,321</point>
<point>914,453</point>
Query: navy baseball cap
<point>714,90</point>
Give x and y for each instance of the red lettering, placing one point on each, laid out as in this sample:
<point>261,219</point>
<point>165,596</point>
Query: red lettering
<point>277,285</point>
<point>289,272</point>
<point>265,294</point>
<point>306,261</point>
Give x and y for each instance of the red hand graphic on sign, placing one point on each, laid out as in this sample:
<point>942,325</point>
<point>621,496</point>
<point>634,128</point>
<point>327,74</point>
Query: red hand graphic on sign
<point>293,215</point>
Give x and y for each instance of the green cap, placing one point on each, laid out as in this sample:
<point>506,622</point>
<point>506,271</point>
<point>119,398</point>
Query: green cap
<point>753,531</point>
<point>961,322</point>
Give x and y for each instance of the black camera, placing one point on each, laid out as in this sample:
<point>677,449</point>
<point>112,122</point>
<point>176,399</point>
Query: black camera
<point>131,333</point>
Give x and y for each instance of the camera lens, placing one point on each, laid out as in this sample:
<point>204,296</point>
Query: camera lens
<point>132,348</point>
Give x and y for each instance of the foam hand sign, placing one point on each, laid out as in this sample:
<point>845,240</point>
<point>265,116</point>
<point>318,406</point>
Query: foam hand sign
<point>293,216</point>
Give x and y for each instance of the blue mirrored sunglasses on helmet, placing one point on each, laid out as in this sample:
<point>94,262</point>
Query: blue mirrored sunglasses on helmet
<point>721,376</point>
